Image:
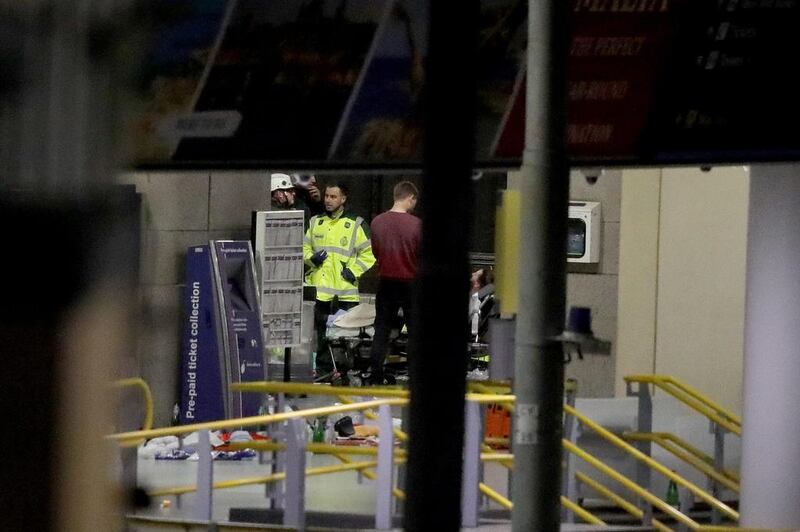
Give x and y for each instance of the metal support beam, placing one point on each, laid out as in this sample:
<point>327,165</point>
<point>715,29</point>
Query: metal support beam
<point>203,502</point>
<point>569,484</point>
<point>470,490</point>
<point>383,502</point>
<point>294,513</point>
<point>771,428</point>
<point>719,464</point>
<point>439,337</point>
<point>539,368</point>
<point>277,461</point>
<point>644,425</point>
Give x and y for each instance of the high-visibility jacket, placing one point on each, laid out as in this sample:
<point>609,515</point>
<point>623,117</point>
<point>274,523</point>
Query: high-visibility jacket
<point>346,242</point>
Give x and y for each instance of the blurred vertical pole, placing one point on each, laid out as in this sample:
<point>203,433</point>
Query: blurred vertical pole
<point>439,356</point>
<point>539,370</point>
<point>69,259</point>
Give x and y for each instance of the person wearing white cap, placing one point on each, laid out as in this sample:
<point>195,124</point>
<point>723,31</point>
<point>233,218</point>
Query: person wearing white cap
<point>282,192</point>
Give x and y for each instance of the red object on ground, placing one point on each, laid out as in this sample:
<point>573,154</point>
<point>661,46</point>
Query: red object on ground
<point>498,423</point>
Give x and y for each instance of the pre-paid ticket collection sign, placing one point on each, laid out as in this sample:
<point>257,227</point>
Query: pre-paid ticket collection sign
<point>337,83</point>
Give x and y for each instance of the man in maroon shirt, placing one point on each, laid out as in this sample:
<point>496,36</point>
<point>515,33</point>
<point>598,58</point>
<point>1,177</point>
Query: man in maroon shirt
<point>396,235</point>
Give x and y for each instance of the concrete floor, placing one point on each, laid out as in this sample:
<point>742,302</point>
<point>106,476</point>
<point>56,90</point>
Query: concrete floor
<point>340,492</point>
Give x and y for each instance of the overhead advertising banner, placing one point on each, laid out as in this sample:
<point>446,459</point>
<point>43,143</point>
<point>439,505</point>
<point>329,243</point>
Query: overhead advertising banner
<point>202,396</point>
<point>385,121</point>
<point>243,349</point>
<point>174,72</point>
<point>342,82</point>
<point>731,94</point>
<point>288,68</point>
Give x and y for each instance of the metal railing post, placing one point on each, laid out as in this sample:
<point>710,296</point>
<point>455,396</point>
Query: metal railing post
<point>719,464</point>
<point>274,491</point>
<point>294,513</point>
<point>569,484</point>
<point>471,478</point>
<point>399,504</point>
<point>383,502</point>
<point>203,503</point>
<point>644,424</point>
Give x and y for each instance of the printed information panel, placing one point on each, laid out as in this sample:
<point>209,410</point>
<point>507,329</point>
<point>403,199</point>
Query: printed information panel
<point>279,251</point>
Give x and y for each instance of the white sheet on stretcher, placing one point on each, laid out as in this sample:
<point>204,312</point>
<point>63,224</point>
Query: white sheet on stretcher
<point>350,323</point>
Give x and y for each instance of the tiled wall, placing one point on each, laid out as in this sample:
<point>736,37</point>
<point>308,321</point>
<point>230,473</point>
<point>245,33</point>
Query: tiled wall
<point>598,290</point>
<point>181,209</point>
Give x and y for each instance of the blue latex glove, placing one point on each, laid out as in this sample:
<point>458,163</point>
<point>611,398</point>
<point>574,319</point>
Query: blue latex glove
<point>347,275</point>
<point>319,257</point>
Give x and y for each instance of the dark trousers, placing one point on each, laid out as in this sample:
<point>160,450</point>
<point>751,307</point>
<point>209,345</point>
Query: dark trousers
<point>391,296</point>
<point>323,309</point>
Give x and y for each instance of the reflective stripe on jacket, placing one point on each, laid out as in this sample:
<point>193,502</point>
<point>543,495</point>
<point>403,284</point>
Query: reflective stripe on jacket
<point>347,244</point>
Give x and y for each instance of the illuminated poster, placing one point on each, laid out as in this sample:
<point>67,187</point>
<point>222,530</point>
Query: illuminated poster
<point>172,74</point>
<point>338,82</point>
<point>385,120</point>
<point>281,78</point>
<point>618,56</point>
<point>735,95</point>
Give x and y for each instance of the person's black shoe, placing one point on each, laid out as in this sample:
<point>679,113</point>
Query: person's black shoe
<point>372,379</point>
<point>344,427</point>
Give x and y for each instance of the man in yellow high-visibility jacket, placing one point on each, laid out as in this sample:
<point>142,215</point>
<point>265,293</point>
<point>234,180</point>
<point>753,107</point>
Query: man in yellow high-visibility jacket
<point>338,251</point>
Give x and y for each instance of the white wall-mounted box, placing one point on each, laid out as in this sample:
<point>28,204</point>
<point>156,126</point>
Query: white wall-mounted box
<point>583,232</point>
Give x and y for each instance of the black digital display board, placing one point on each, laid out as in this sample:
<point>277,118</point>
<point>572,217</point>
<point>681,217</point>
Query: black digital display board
<point>338,83</point>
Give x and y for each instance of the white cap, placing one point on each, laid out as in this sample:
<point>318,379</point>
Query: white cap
<point>280,182</point>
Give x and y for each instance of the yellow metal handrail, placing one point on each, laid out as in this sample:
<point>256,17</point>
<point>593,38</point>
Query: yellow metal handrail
<point>496,497</point>
<point>488,387</point>
<point>680,442</point>
<point>718,528</point>
<point>337,451</point>
<point>693,399</point>
<point>619,501</point>
<point>299,388</point>
<point>496,390</point>
<point>568,504</point>
<point>618,442</point>
<point>137,382</point>
<point>397,397</point>
<point>691,449</point>
<point>631,485</point>
<point>497,457</point>
<point>370,414</point>
<point>701,465</point>
<point>274,477</point>
<point>315,448</point>
<point>265,419</point>
<point>370,474</point>
<point>581,512</point>
<point>506,459</point>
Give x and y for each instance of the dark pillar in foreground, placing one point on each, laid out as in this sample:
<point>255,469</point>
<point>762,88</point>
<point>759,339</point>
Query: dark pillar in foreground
<point>438,362</point>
